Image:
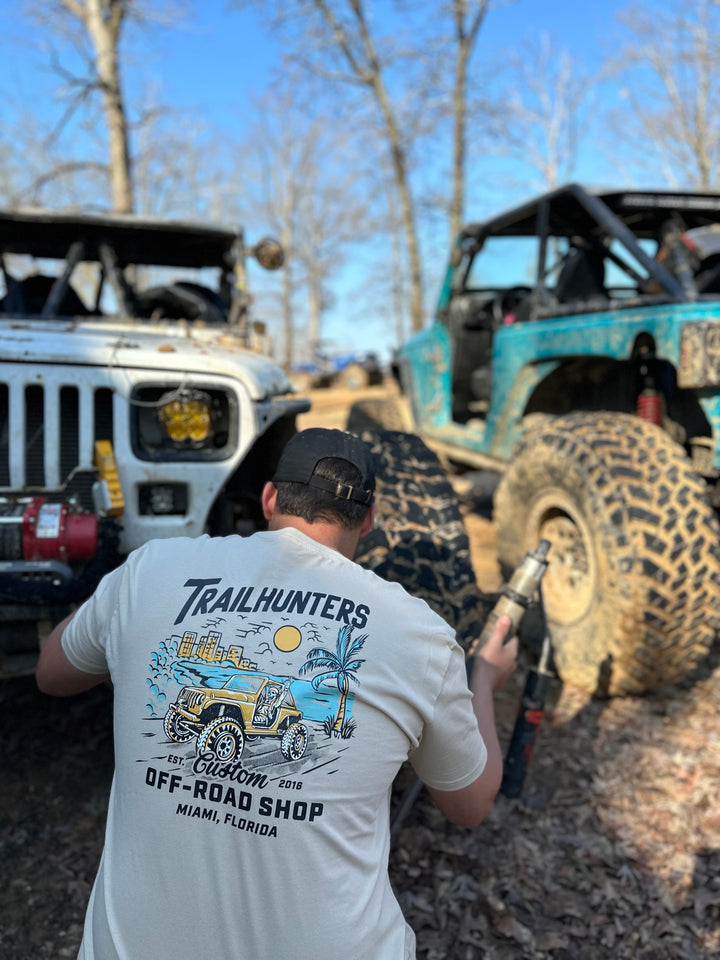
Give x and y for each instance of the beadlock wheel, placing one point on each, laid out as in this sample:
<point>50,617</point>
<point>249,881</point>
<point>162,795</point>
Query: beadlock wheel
<point>632,591</point>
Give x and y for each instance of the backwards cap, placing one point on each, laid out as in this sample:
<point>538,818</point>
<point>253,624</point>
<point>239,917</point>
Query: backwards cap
<point>303,452</point>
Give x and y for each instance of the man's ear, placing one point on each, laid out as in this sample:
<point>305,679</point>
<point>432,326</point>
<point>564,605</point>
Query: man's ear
<point>268,499</point>
<point>369,521</point>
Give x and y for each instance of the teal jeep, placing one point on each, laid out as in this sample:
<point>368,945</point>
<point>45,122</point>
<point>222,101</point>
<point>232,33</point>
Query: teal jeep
<point>576,352</point>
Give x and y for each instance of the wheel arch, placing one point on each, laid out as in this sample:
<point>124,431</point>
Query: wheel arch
<point>239,500</point>
<point>227,711</point>
<point>600,382</point>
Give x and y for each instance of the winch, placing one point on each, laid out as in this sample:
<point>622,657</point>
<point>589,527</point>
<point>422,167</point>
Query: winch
<point>31,528</point>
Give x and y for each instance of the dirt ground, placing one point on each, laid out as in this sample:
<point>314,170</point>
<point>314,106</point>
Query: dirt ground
<point>612,852</point>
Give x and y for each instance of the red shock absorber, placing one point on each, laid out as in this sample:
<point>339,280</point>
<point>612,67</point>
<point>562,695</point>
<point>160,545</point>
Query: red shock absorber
<point>648,406</point>
<point>648,403</point>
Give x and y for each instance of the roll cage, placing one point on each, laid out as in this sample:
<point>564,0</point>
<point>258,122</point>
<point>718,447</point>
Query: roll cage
<point>645,235</point>
<point>124,252</point>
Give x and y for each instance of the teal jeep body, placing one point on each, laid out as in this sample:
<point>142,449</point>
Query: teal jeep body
<point>575,350</point>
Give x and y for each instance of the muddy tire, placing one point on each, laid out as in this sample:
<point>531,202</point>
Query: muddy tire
<point>419,538</point>
<point>632,591</point>
<point>384,413</point>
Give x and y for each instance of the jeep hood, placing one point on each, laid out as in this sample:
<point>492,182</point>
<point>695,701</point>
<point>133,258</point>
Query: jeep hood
<point>179,346</point>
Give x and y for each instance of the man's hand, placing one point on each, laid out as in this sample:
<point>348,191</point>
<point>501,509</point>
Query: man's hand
<point>498,658</point>
<point>492,667</point>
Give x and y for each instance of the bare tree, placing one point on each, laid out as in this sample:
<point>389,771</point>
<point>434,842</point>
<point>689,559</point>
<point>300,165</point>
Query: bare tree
<point>103,22</point>
<point>354,40</point>
<point>339,41</point>
<point>307,197</point>
<point>468,17</point>
<point>546,113</point>
<point>671,66</point>
<point>275,162</point>
<point>91,32</point>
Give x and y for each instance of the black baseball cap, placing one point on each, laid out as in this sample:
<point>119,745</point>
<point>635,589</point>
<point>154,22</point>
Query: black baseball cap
<point>303,452</point>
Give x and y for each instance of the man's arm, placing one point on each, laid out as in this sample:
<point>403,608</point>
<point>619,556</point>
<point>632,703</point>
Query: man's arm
<point>493,666</point>
<point>55,674</point>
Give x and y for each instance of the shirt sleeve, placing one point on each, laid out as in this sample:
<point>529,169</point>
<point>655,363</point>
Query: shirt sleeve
<point>84,639</point>
<point>451,753</point>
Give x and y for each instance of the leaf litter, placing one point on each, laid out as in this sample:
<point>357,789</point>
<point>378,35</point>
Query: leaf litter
<point>612,852</point>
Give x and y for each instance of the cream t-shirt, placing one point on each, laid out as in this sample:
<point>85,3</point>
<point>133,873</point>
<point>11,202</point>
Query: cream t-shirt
<point>266,692</point>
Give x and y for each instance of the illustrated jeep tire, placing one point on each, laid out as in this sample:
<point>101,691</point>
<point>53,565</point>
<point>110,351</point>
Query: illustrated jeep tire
<point>222,737</point>
<point>419,539</point>
<point>174,728</point>
<point>632,591</point>
<point>294,741</point>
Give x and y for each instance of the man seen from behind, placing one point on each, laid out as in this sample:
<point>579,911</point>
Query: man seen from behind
<point>266,692</point>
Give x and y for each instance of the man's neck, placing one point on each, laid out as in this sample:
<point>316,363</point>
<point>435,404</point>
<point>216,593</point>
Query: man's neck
<point>328,534</point>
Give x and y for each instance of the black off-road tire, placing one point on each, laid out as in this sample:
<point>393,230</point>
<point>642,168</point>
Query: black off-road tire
<point>419,538</point>
<point>223,737</point>
<point>632,592</point>
<point>380,413</point>
<point>294,741</point>
<point>174,729</point>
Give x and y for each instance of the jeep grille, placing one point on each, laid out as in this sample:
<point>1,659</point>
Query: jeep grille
<point>191,698</point>
<point>48,430</point>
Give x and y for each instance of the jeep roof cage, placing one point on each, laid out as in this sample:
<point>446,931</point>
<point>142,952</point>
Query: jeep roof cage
<point>575,207</point>
<point>626,215</point>
<point>134,239</point>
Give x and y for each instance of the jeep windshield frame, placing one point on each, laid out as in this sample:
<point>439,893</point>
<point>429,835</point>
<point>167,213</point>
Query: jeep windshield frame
<point>242,683</point>
<point>623,224</point>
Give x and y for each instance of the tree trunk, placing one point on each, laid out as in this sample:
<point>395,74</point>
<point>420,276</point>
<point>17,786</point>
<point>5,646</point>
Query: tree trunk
<point>342,707</point>
<point>314,314</point>
<point>407,210</point>
<point>103,21</point>
<point>286,238</point>
<point>457,203</point>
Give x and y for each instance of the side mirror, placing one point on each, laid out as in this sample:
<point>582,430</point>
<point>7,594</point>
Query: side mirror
<point>269,253</point>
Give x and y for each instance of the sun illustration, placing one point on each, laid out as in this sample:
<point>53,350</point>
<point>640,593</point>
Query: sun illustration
<point>287,638</point>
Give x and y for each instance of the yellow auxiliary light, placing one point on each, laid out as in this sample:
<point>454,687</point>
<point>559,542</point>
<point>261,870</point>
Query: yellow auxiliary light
<point>187,417</point>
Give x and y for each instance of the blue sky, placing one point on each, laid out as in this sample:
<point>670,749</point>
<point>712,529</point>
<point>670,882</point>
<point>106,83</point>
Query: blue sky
<point>218,62</point>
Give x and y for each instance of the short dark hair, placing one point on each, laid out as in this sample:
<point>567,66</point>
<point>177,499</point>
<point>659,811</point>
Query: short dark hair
<point>312,504</point>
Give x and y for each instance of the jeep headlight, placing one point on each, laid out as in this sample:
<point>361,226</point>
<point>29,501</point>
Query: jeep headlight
<point>174,422</point>
<point>186,415</point>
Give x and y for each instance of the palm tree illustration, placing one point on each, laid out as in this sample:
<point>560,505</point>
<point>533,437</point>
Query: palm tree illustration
<point>341,667</point>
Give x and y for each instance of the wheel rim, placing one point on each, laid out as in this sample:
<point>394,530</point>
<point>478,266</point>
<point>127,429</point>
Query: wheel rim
<point>180,732</point>
<point>570,583</point>
<point>225,746</point>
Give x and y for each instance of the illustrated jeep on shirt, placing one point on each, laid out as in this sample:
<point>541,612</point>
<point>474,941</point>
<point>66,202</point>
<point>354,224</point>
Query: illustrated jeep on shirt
<point>246,707</point>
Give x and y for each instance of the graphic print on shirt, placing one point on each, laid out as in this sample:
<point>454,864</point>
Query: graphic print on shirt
<point>260,698</point>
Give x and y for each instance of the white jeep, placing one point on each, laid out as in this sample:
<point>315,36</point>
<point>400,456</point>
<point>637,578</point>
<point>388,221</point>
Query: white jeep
<point>135,402</point>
